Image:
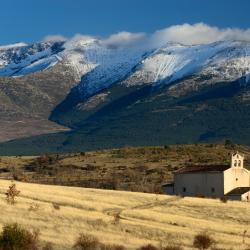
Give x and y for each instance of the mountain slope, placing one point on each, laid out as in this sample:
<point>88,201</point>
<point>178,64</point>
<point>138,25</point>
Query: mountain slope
<point>146,117</point>
<point>113,97</point>
<point>26,102</point>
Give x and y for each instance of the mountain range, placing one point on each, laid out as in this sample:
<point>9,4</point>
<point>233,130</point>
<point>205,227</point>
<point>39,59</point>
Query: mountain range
<point>84,94</point>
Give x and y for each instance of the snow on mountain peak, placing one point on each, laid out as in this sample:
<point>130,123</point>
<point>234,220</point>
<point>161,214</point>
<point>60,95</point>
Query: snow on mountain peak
<point>175,61</point>
<point>102,66</point>
<point>97,66</point>
<point>19,60</point>
<point>10,46</point>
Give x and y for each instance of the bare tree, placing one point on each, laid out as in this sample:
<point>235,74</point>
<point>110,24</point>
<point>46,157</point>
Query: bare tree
<point>11,194</point>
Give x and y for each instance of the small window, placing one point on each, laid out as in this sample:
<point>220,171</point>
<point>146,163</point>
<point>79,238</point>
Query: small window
<point>212,189</point>
<point>239,163</point>
<point>184,189</point>
<point>235,163</point>
<point>236,179</point>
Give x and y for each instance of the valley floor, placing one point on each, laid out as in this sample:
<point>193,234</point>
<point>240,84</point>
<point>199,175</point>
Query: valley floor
<point>27,127</point>
<point>61,213</point>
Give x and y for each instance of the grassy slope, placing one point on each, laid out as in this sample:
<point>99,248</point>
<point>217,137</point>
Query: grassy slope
<point>132,169</point>
<point>143,116</point>
<point>26,102</point>
<point>144,217</point>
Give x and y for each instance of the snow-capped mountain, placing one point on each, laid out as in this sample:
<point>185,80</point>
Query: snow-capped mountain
<point>22,59</point>
<point>97,66</point>
<point>229,60</point>
<point>100,91</point>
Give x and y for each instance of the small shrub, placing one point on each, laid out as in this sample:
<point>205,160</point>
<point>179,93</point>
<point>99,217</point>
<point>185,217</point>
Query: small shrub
<point>223,199</point>
<point>43,160</point>
<point>244,236</point>
<point>11,194</point>
<point>229,145</point>
<point>148,247</point>
<point>116,218</point>
<point>56,206</point>
<point>17,175</point>
<point>203,241</point>
<point>14,237</point>
<point>86,242</point>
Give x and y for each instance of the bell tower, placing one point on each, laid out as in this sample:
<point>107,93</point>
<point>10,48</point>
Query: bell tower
<point>237,160</point>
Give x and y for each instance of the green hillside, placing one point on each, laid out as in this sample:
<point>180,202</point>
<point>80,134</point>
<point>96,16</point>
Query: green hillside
<point>142,116</point>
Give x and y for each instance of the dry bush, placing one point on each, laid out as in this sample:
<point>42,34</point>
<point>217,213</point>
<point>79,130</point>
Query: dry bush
<point>17,174</point>
<point>244,236</point>
<point>11,194</point>
<point>89,242</point>
<point>116,218</point>
<point>86,242</point>
<point>203,241</point>
<point>223,199</point>
<point>56,206</point>
<point>148,247</point>
<point>43,160</point>
<point>14,237</point>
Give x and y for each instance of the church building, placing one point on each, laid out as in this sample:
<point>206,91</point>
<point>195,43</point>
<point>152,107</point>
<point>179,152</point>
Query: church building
<point>217,181</point>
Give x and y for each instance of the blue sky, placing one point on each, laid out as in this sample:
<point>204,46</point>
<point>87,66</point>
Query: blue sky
<point>31,20</point>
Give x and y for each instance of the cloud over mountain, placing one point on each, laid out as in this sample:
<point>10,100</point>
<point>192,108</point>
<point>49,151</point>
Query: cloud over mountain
<point>124,39</point>
<point>198,33</point>
<point>54,38</point>
<point>188,34</point>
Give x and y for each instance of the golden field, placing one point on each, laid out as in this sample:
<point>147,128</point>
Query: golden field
<point>144,218</point>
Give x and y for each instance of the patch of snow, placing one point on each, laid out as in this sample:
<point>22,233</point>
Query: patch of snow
<point>11,46</point>
<point>175,61</point>
<point>99,66</point>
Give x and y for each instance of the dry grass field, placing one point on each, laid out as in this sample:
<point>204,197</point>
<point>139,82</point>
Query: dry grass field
<point>61,213</point>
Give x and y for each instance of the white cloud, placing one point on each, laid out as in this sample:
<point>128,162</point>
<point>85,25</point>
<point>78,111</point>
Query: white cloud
<point>123,39</point>
<point>199,33</point>
<point>78,40</point>
<point>54,38</point>
<point>188,34</point>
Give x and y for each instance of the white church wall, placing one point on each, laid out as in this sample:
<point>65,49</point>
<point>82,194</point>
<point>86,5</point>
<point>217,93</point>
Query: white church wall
<point>236,177</point>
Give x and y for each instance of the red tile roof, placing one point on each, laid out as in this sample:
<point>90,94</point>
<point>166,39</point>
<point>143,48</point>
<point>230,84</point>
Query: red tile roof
<point>204,168</point>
